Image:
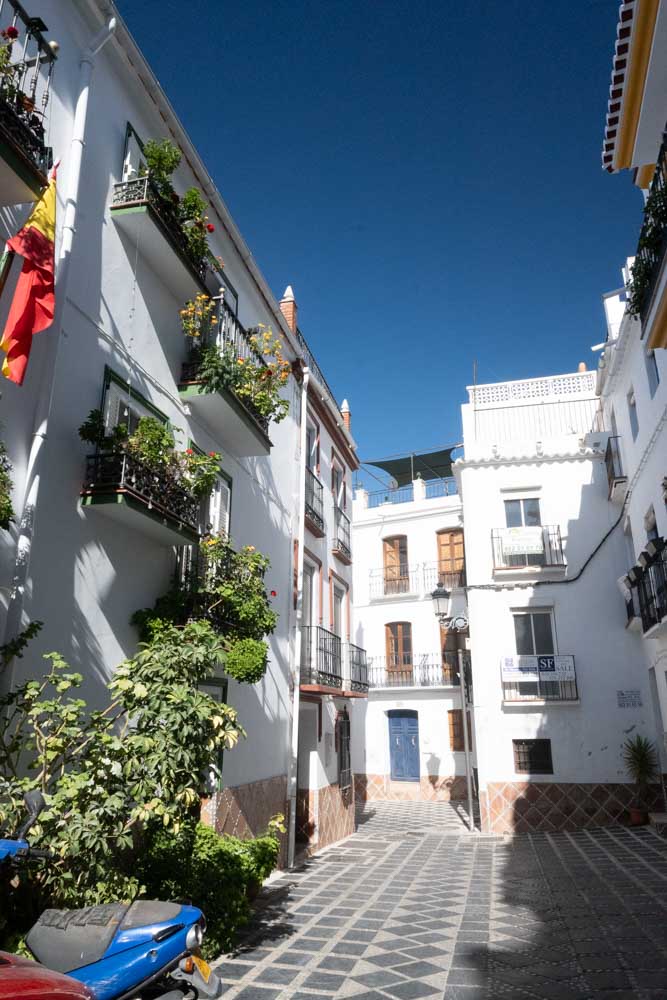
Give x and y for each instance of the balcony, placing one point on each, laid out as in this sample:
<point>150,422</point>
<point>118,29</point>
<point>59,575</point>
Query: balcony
<point>321,661</point>
<point>538,679</point>
<point>411,670</point>
<point>648,582</point>
<point>25,159</point>
<point>441,573</point>
<point>123,488</point>
<point>356,680</point>
<point>153,230</point>
<point>314,504</point>
<point>530,549</point>
<point>342,547</point>
<point>240,427</point>
<point>394,581</point>
<point>618,482</point>
<point>647,283</point>
<point>429,489</point>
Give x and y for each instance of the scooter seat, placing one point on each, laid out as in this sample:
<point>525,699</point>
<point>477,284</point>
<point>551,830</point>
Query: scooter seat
<point>65,940</point>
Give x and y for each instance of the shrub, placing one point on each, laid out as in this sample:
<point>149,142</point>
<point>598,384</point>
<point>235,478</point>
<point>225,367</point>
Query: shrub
<point>6,508</point>
<point>218,874</point>
<point>246,660</point>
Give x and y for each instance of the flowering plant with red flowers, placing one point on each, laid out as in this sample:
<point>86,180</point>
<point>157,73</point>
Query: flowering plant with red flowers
<point>210,228</point>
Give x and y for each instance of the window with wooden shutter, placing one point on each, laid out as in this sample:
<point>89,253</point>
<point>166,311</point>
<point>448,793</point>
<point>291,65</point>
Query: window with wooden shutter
<point>219,506</point>
<point>395,565</point>
<point>455,719</point>
<point>451,558</point>
<point>398,642</point>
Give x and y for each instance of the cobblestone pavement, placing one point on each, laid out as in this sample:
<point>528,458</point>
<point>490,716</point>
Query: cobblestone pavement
<point>411,910</point>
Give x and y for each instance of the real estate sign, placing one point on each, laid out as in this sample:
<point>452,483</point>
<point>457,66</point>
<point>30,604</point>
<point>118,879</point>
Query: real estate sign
<point>534,668</point>
<point>523,541</point>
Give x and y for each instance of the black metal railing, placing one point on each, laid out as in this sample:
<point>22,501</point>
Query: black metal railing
<point>414,670</point>
<point>392,581</point>
<point>358,667</point>
<point>230,336</point>
<point>309,358</point>
<point>342,540</point>
<point>118,471</point>
<point>542,685</point>
<point>402,494</point>
<point>142,191</point>
<point>546,542</point>
<point>321,657</point>
<point>440,488</point>
<point>632,609</point>
<point>651,585</point>
<point>441,572</point>
<point>25,85</point>
<point>314,499</point>
<point>652,242</point>
<point>612,460</point>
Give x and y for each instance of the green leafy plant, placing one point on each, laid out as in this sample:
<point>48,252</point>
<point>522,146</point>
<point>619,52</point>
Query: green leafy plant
<point>641,762</point>
<point>652,239</point>
<point>162,158</point>
<point>6,506</point>
<point>15,647</point>
<point>246,660</point>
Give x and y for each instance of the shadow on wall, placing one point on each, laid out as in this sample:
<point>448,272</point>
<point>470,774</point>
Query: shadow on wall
<point>433,769</point>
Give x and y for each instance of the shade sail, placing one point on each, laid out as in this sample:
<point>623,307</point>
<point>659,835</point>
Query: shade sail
<point>426,465</point>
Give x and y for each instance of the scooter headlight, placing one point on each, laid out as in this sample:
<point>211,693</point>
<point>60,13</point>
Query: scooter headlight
<point>194,937</point>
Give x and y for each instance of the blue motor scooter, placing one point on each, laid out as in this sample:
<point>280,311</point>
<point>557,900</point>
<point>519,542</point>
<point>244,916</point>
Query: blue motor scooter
<point>120,951</point>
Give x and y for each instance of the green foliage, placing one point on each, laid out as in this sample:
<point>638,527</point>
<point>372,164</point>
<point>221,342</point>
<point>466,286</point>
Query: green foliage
<point>6,507</point>
<point>641,762</point>
<point>201,471</point>
<point>652,239</point>
<point>162,158</point>
<point>246,660</point>
<point>15,647</point>
<point>217,873</point>
<point>110,777</point>
<point>93,431</point>
<point>152,443</point>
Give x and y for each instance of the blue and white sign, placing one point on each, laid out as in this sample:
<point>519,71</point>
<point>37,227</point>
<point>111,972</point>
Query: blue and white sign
<point>534,668</point>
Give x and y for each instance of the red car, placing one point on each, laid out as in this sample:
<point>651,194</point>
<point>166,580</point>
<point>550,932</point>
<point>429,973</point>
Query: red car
<point>21,979</point>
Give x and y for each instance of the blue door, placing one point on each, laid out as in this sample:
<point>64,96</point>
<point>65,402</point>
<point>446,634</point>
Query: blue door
<point>404,745</point>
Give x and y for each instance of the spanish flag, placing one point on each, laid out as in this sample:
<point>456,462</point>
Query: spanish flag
<point>34,300</point>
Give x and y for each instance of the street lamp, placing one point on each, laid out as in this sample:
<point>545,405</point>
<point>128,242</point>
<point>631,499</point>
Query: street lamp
<point>457,623</point>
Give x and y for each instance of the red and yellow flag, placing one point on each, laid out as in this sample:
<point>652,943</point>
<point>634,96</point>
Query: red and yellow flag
<point>34,300</point>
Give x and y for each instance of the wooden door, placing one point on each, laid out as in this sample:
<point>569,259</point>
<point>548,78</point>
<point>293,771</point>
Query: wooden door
<point>451,556</point>
<point>395,559</point>
<point>398,642</point>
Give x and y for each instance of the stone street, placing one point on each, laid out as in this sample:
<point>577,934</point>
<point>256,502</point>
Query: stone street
<point>413,906</point>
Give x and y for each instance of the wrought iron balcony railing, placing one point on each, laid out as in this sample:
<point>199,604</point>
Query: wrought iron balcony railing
<point>229,335</point>
<point>314,500</point>
<point>612,460</point>
<point>649,582</point>
<point>440,572</point>
<point>433,488</point>
<point>394,581</point>
<point>119,472</point>
<point>358,666</point>
<point>141,191</point>
<point>414,670</point>
<point>517,548</point>
<point>25,86</point>
<point>342,529</point>
<point>547,677</point>
<point>652,243</point>
<point>321,657</point>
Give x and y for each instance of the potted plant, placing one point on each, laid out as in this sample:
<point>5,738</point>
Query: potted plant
<point>641,762</point>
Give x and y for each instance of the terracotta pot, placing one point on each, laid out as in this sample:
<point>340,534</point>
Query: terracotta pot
<point>638,816</point>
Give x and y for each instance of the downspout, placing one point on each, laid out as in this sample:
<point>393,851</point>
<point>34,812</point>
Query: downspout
<point>44,404</point>
<point>296,671</point>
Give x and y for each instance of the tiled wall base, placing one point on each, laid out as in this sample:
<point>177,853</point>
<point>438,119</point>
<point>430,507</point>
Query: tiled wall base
<point>373,787</point>
<point>518,807</point>
<point>324,816</point>
<point>245,810</point>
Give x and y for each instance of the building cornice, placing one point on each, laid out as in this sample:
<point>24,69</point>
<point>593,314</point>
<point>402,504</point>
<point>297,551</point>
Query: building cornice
<point>587,455</point>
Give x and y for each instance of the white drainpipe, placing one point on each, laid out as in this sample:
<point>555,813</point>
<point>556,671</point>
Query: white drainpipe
<point>52,336</point>
<point>296,670</point>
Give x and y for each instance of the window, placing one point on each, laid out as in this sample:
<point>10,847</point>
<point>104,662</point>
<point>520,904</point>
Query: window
<point>398,644</point>
<point>343,749</point>
<point>395,562</point>
<point>455,719</point>
<point>632,412</point>
<point>652,372</point>
<point>451,558</point>
<point>122,405</point>
<point>134,162</point>
<point>312,448</point>
<point>533,633</point>
<point>217,689</point>
<point>522,513</point>
<point>338,486</point>
<point>650,525</point>
<point>219,506</point>
<point>532,757</point>
<point>337,623</point>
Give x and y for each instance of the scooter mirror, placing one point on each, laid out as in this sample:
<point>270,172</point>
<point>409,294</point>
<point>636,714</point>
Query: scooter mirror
<point>34,803</point>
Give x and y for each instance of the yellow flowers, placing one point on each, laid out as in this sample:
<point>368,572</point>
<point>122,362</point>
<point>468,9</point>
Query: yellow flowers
<point>198,317</point>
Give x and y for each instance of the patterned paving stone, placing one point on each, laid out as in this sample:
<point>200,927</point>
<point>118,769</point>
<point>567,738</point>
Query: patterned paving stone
<point>413,907</point>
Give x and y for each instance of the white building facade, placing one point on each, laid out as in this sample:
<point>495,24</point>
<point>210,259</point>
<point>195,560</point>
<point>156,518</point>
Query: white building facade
<point>555,679</point>
<point>407,738</point>
<point>93,542</point>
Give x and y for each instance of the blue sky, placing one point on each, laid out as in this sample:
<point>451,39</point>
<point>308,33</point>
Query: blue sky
<point>425,174</point>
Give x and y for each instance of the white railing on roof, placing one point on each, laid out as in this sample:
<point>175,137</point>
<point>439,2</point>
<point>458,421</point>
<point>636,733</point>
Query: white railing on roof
<point>533,390</point>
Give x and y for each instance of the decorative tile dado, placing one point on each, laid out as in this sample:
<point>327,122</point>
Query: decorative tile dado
<point>520,807</point>
<point>245,810</point>
<point>379,787</point>
<point>324,816</point>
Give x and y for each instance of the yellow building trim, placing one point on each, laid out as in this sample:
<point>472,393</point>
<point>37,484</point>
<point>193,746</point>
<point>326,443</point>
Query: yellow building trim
<point>658,336</point>
<point>645,176</point>
<point>642,39</point>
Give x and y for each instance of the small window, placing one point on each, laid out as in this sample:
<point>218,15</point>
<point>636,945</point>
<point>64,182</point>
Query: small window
<point>523,513</point>
<point>533,633</point>
<point>343,748</point>
<point>632,412</point>
<point>532,757</point>
<point>219,506</point>
<point>652,372</point>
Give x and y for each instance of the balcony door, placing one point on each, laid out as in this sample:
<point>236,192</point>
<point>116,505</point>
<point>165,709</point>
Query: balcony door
<point>337,623</point>
<point>451,559</point>
<point>395,565</point>
<point>523,514</point>
<point>398,643</point>
<point>533,632</point>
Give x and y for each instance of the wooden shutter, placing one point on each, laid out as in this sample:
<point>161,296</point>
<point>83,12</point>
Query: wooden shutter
<point>395,557</point>
<point>451,556</point>
<point>398,643</point>
<point>455,719</point>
